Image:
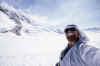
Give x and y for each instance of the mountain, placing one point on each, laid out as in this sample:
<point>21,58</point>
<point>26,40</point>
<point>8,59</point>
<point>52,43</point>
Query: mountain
<point>94,29</point>
<point>22,22</point>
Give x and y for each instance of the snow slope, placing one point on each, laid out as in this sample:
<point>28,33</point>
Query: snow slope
<point>26,41</point>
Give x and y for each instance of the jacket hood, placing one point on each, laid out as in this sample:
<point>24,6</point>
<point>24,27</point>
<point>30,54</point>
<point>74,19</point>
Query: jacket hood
<point>82,35</point>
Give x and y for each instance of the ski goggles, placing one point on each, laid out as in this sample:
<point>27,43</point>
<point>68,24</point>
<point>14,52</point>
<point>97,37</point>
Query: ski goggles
<point>70,29</point>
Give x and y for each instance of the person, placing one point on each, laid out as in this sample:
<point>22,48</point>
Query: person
<point>78,51</point>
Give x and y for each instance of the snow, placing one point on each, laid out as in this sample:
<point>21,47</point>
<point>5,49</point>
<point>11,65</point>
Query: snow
<point>5,22</point>
<point>45,47</point>
<point>42,49</point>
<point>94,38</point>
<point>36,46</point>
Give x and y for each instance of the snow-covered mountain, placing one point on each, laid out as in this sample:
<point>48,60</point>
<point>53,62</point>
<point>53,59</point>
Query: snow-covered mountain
<point>21,21</point>
<point>23,35</point>
<point>93,29</point>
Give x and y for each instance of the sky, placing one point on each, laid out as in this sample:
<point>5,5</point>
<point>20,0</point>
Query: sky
<point>84,13</point>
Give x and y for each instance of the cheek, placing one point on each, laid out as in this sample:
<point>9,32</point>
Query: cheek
<point>77,35</point>
<point>66,36</point>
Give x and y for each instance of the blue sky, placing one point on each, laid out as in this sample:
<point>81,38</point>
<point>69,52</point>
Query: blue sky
<point>82,12</point>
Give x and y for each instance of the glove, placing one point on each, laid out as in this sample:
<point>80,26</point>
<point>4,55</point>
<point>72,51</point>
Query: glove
<point>57,64</point>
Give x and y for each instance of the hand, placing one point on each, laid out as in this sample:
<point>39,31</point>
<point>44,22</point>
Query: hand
<point>57,64</point>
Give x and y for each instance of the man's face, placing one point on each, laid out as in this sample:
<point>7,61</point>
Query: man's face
<point>72,35</point>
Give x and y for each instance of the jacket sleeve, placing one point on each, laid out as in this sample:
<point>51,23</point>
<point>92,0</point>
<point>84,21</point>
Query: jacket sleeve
<point>90,55</point>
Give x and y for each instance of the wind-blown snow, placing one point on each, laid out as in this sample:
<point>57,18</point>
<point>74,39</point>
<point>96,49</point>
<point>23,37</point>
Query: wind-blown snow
<point>24,41</point>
